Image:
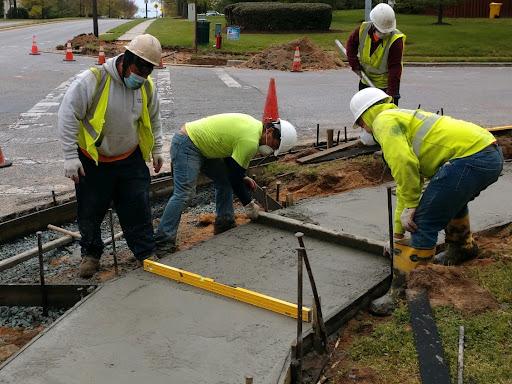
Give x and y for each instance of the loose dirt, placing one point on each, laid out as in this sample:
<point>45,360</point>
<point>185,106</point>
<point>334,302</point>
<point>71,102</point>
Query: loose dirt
<point>12,339</point>
<point>447,286</point>
<point>505,142</point>
<point>280,57</point>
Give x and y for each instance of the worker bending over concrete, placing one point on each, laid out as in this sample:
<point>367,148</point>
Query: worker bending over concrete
<point>461,159</point>
<point>109,125</point>
<point>221,146</point>
<point>376,47</point>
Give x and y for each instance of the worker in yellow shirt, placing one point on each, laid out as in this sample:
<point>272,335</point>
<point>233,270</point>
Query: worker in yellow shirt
<point>460,158</point>
<point>221,146</point>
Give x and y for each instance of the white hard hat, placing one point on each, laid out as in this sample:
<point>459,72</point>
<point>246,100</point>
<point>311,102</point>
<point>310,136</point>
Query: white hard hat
<point>365,98</point>
<point>383,17</point>
<point>288,136</point>
<point>146,47</point>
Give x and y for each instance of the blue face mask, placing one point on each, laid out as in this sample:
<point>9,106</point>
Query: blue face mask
<point>134,81</point>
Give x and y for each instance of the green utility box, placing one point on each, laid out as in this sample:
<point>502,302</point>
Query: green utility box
<point>203,32</point>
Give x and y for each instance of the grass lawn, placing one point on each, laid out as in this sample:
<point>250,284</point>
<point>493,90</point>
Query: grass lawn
<point>114,33</point>
<point>463,40</point>
<point>390,353</point>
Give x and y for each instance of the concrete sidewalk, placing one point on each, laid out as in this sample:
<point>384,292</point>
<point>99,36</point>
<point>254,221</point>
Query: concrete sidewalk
<point>139,29</point>
<point>146,328</point>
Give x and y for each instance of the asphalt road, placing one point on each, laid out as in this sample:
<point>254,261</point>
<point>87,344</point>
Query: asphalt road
<point>26,79</point>
<point>31,88</point>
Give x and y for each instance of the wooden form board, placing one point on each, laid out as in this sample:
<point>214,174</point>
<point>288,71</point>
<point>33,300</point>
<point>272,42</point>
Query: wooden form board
<point>340,147</point>
<point>237,293</point>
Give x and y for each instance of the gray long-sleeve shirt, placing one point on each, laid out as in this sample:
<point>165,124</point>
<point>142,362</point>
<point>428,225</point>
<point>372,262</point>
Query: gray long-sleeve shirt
<point>121,117</point>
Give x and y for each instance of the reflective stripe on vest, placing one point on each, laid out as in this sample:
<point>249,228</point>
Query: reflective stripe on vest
<point>427,122</point>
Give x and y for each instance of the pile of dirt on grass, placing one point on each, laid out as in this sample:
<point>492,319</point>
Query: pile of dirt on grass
<point>447,286</point>
<point>88,44</point>
<point>281,57</point>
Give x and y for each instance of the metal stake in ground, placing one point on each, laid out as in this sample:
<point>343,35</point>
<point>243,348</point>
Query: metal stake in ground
<point>318,306</point>
<point>460,359</point>
<point>44,296</point>
<point>300,256</point>
<point>114,253</point>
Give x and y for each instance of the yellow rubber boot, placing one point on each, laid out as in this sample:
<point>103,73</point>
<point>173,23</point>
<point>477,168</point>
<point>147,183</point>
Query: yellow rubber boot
<point>405,259</point>
<point>460,245</point>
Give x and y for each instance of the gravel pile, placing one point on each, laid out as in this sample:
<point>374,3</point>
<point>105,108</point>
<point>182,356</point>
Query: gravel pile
<point>28,317</point>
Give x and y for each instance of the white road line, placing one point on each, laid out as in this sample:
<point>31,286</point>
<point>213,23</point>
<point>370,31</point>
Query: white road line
<point>228,80</point>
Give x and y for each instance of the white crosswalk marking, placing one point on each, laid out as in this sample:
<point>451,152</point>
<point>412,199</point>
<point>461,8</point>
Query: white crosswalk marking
<point>228,80</point>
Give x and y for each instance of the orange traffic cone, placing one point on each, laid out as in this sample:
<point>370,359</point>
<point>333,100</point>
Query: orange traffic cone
<point>69,52</point>
<point>35,50</point>
<point>4,163</point>
<point>161,65</point>
<point>296,66</point>
<point>271,112</point>
<point>101,56</point>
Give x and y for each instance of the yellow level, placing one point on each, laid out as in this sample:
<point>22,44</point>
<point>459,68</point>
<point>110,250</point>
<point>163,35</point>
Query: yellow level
<point>237,293</point>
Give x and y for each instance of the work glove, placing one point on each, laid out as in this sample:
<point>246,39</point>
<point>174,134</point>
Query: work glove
<point>73,169</point>
<point>158,162</point>
<point>252,210</point>
<point>250,183</point>
<point>407,219</point>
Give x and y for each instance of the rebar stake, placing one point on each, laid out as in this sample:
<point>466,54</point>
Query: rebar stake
<point>278,189</point>
<point>265,200</point>
<point>44,296</point>
<point>300,257</point>
<point>54,198</point>
<point>114,252</point>
<point>317,134</point>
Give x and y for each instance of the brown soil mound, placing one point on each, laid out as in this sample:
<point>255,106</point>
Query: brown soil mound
<point>448,286</point>
<point>505,143</point>
<point>281,57</point>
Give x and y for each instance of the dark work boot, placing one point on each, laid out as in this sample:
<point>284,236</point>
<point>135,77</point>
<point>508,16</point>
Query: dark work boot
<point>89,266</point>
<point>164,249</point>
<point>223,225</point>
<point>460,245</point>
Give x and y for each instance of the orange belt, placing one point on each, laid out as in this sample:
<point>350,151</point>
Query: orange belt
<point>110,159</point>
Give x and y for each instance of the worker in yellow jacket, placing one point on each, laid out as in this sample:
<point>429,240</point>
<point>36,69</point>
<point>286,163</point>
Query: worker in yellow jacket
<point>460,158</point>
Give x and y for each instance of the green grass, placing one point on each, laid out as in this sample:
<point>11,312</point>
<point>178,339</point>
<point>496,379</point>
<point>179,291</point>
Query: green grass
<point>463,40</point>
<point>390,351</point>
<point>114,33</point>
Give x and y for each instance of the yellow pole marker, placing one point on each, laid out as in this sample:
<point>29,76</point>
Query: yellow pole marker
<point>237,293</point>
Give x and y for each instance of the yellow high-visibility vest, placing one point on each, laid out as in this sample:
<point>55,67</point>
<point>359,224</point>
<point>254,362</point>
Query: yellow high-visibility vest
<point>376,65</point>
<point>92,125</point>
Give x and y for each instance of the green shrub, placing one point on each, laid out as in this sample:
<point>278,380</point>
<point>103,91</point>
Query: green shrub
<point>17,13</point>
<point>267,16</point>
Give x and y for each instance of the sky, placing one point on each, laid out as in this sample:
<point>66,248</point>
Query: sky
<point>142,8</point>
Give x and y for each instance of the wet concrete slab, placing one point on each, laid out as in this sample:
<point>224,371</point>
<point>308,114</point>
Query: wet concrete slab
<point>364,211</point>
<point>146,328</point>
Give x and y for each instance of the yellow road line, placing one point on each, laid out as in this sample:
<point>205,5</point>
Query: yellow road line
<point>237,293</point>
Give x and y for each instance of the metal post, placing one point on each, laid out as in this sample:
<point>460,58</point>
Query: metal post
<point>114,252</point>
<point>54,197</point>
<point>330,134</point>
<point>317,134</point>
<point>265,201</point>
<point>300,253</point>
<point>278,189</point>
<point>322,331</point>
<point>338,139</point>
<point>460,359</point>
<point>44,296</point>
<point>345,134</point>
<point>95,17</point>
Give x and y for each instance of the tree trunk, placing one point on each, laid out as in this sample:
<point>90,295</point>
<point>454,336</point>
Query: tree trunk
<point>440,13</point>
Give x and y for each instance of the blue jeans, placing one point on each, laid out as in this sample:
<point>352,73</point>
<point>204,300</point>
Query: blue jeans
<point>187,161</point>
<point>455,184</point>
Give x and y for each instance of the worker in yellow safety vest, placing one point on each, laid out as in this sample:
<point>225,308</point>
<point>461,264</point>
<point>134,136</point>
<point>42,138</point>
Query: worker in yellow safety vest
<point>109,126</point>
<point>376,47</point>
<point>460,158</point>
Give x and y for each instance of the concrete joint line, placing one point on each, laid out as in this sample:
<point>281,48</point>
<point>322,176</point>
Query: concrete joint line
<point>316,231</point>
